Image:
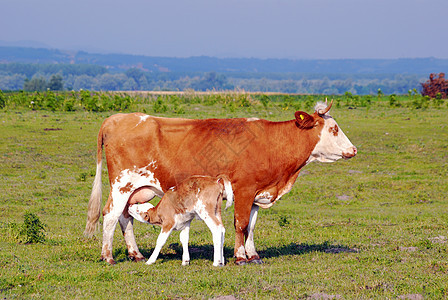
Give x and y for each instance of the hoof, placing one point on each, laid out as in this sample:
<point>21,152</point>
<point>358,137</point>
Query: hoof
<point>256,260</point>
<point>186,263</point>
<point>240,261</point>
<point>110,261</point>
<point>137,259</point>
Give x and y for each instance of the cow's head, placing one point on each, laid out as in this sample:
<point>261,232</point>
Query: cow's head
<point>332,143</point>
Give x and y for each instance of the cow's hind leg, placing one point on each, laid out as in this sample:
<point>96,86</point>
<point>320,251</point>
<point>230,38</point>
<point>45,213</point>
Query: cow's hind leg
<point>111,212</point>
<point>127,227</point>
<point>250,245</point>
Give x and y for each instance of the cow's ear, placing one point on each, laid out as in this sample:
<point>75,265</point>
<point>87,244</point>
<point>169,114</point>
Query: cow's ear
<point>304,120</point>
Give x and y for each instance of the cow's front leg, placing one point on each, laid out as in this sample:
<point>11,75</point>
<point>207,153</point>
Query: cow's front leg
<point>241,222</point>
<point>127,227</point>
<point>250,245</point>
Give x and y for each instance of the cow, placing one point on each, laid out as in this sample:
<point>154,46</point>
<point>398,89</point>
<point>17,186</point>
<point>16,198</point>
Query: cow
<point>197,196</point>
<point>261,158</point>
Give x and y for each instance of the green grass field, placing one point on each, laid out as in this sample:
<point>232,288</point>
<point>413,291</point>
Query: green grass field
<point>375,226</point>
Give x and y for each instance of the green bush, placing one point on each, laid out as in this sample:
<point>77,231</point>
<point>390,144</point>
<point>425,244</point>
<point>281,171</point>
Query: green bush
<point>159,106</point>
<point>32,230</point>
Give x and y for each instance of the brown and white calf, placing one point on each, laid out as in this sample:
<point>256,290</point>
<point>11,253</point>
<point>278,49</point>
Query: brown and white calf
<point>198,196</point>
<point>262,159</point>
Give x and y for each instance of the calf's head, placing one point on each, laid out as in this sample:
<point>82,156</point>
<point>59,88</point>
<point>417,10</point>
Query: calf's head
<point>332,143</point>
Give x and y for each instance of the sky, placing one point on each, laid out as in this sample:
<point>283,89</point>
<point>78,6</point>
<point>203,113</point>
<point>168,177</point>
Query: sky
<point>295,29</point>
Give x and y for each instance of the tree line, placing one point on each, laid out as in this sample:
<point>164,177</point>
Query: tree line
<point>40,77</point>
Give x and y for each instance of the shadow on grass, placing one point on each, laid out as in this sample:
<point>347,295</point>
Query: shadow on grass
<point>303,248</point>
<point>174,251</point>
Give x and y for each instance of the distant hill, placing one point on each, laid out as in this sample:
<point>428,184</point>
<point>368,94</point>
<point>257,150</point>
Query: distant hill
<point>120,62</point>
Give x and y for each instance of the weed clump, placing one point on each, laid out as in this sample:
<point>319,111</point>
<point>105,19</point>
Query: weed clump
<point>31,231</point>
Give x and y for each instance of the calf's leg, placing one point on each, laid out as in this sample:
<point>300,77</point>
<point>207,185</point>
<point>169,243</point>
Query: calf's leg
<point>217,230</point>
<point>184,236</point>
<point>161,240</point>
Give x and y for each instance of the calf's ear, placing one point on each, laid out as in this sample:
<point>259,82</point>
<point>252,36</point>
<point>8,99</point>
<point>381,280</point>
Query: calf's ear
<point>304,120</point>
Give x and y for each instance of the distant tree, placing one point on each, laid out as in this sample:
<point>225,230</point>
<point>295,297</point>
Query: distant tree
<point>211,80</point>
<point>35,84</point>
<point>84,82</point>
<point>130,85</point>
<point>435,86</point>
<point>12,83</point>
<point>56,83</point>
<point>134,73</point>
<point>111,82</point>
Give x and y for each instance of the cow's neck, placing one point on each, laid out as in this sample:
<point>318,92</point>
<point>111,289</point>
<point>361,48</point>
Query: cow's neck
<point>298,144</point>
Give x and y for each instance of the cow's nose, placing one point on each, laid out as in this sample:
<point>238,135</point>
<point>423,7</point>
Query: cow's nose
<point>350,152</point>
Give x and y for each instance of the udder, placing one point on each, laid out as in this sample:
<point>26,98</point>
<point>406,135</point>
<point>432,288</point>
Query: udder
<point>266,198</point>
<point>144,194</point>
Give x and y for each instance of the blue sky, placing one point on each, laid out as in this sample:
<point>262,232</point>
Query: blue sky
<point>299,29</point>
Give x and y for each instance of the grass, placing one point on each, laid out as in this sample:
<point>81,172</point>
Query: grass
<point>372,227</point>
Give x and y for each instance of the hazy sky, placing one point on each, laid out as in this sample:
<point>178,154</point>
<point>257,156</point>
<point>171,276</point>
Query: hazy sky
<point>234,28</point>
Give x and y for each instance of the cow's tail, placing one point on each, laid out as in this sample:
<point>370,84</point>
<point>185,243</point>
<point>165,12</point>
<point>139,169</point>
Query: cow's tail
<point>94,207</point>
<point>227,189</point>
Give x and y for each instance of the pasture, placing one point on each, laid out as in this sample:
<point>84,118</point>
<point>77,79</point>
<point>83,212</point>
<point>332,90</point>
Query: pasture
<point>375,226</point>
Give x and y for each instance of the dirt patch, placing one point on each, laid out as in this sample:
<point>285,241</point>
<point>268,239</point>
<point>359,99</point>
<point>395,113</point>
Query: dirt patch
<point>411,297</point>
<point>229,297</point>
<point>354,172</point>
<point>324,296</point>
<point>438,239</point>
<point>408,249</point>
<point>344,197</point>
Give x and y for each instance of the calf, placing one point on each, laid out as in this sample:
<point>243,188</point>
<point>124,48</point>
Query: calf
<point>198,196</point>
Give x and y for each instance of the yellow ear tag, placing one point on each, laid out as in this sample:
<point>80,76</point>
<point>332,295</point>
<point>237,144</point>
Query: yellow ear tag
<point>301,117</point>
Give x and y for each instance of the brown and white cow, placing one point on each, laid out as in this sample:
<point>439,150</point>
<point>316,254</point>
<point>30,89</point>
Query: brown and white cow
<point>196,197</point>
<point>262,159</point>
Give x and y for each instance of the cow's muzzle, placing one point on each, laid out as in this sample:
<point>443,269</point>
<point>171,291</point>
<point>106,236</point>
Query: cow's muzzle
<point>350,152</point>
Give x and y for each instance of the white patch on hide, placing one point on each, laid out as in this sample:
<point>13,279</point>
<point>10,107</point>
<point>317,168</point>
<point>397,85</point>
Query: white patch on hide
<point>330,147</point>
<point>142,119</point>
<point>241,252</point>
<point>130,180</point>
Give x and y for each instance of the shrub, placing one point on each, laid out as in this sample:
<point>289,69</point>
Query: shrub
<point>393,101</point>
<point>32,230</point>
<point>159,106</point>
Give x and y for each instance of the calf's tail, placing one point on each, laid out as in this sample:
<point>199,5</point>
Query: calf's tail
<point>94,207</point>
<point>227,189</point>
